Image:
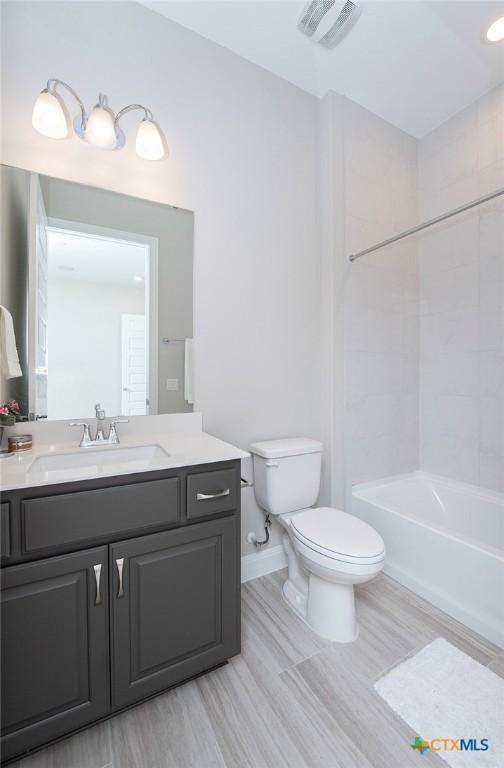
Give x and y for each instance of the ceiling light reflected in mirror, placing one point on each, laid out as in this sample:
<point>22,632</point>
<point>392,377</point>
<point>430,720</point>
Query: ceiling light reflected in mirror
<point>495,32</point>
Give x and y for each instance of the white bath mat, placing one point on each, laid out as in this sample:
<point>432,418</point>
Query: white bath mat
<point>443,694</point>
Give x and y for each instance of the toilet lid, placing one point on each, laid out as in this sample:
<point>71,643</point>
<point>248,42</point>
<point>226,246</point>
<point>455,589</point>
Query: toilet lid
<point>337,534</point>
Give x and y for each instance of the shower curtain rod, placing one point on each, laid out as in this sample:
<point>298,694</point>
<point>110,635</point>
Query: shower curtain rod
<point>426,224</point>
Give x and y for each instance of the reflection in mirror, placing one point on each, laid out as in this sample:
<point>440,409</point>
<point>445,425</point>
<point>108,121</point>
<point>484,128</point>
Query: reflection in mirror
<point>99,286</point>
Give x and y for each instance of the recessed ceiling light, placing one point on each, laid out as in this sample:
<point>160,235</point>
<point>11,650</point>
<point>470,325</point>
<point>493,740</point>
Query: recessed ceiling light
<point>495,32</point>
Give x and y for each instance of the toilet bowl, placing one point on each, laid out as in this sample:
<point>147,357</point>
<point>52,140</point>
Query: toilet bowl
<point>328,550</point>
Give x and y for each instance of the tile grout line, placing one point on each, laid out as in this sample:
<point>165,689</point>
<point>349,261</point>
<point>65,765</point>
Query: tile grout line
<point>401,660</point>
<point>302,661</point>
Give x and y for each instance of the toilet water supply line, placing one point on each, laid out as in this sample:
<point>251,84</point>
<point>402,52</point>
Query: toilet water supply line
<point>254,541</point>
<point>251,537</point>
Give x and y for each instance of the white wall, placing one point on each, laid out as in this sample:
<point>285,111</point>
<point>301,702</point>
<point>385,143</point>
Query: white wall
<point>243,157</point>
<point>84,345</point>
<point>290,339</point>
<point>461,269</point>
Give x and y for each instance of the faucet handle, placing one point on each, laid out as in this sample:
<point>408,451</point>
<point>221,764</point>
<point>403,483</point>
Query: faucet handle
<point>86,435</point>
<point>113,437</point>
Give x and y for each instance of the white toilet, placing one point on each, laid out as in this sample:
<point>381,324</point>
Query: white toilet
<point>328,550</point>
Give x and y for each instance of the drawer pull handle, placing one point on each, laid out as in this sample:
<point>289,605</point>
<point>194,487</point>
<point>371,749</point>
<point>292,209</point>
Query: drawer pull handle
<point>216,495</point>
<point>120,566</point>
<point>97,573</point>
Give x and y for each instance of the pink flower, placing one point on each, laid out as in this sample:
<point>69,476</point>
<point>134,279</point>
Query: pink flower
<point>4,411</point>
<point>13,405</point>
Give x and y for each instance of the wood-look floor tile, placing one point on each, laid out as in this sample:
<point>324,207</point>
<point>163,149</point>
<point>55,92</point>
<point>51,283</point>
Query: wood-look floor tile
<point>314,734</point>
<point>413,616</point>
<point>170,731</point>
<point>248,729</point>
<point>347,694</point>
<point>138,738</point>
<point>319,737</point>
<point>271,628</point>
<point>89,749</point>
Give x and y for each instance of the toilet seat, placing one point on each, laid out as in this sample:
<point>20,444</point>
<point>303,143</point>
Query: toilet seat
<point>338,536</point>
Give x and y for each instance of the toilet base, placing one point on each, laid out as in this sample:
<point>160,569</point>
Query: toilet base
<point>327,611</point>
<point>295,599</point>
<point>328,608</point>
<point>331,610</point>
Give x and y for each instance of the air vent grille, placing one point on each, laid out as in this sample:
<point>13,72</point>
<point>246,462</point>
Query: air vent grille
<point>328,21</point>
<point>313,15</point>
<point>338,29</point>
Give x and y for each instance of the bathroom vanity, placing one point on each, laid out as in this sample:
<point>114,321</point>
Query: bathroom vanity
<point>120,553</point>
<point>116,587</point>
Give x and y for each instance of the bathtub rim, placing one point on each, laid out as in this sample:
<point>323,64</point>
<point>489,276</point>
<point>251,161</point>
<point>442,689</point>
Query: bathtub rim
<point>359,491</point>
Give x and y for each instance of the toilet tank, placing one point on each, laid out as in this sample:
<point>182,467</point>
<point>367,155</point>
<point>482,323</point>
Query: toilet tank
<point>286,473</point>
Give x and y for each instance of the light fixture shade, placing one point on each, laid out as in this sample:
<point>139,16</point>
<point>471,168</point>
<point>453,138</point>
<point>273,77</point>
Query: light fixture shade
<point>49,116</point>
<point>495,32</point>
<point>149,141</point>
<point>100,128</point>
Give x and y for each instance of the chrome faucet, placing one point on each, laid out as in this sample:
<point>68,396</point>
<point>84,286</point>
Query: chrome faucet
<point>99,438</point>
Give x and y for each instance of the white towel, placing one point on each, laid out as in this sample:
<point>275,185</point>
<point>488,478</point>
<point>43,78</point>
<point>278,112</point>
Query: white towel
<point>188,371</point>
<point>9,360</point>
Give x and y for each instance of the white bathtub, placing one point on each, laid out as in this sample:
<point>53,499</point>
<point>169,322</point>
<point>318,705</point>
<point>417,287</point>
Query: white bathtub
<point>445,541</point>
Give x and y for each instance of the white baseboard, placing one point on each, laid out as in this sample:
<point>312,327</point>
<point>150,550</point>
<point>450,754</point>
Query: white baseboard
<point>261,563</point>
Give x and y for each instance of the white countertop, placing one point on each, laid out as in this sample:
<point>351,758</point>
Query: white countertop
<point>186,446</point>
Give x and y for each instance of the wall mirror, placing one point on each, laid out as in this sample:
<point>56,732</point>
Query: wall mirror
<point>100,289</point>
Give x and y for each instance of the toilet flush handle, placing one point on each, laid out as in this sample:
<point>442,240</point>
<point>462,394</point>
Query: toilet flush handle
<point>272,464</point>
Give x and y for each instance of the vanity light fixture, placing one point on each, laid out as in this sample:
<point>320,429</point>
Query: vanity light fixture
<point>100,128</point>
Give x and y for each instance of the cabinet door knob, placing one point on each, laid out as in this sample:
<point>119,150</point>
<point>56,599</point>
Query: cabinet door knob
<point>97,573</point>
<point>216,495</point>
<point>120,566</point>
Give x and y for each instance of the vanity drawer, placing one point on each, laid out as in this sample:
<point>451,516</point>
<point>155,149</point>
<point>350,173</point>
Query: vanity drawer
<point>209,493</point>
<point>55,521</point>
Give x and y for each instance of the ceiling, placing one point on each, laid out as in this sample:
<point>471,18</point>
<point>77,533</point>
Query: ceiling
<point>413,63</point>
<point>80,257</point>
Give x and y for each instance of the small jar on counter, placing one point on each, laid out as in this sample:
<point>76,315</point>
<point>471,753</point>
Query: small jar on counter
<point>19,443</point>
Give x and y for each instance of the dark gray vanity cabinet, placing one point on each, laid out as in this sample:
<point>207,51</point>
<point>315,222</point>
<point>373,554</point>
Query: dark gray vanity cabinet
<point>112,591</point>
<point>54,648</point>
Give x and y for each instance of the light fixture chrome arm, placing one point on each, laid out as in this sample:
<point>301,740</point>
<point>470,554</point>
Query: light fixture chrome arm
<point>51,86</point>
<point>130,108</point>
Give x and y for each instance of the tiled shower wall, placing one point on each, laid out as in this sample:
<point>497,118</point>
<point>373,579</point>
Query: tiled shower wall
<point>461,292</point>
<point>380,303</point>
<point>424,319</point>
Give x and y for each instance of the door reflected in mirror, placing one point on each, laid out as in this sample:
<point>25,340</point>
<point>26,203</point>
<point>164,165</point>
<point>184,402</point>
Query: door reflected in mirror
<point>100,289</point>
<point>98,319</point>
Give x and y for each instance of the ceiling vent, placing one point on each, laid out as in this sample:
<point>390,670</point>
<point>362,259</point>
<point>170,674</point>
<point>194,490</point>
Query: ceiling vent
<point>328,21</point>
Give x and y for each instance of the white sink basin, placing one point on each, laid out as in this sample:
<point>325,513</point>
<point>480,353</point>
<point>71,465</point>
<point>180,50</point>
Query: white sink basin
<point>89,462</point>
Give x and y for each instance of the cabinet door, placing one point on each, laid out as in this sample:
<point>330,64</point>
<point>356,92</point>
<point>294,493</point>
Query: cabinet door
<point>174,605</point>
<point>54,648</point>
